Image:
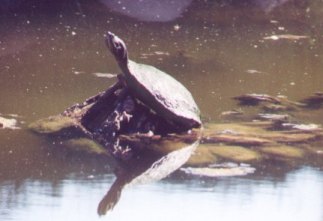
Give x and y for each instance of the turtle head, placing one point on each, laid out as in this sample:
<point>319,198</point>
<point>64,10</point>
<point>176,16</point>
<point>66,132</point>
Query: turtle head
<point>117,47</point>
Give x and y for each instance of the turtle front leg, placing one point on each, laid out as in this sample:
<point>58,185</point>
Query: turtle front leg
<point>102,107</point>
<point>107,133</point>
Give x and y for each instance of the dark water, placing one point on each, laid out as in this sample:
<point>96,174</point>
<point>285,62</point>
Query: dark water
<point>50,52</point>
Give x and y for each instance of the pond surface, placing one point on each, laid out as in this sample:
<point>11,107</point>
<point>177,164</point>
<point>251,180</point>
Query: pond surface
<point>53,55</point>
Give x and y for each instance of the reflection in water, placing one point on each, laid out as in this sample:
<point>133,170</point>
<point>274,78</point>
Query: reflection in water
<point>146,167</point>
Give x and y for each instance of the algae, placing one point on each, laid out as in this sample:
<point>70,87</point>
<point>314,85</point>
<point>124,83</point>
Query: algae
<point>85,145</point>
<point>234,153</point>
<point>283,151</point>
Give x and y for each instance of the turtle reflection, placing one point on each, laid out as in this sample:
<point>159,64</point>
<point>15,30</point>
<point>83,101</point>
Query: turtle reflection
<point>149,165</point>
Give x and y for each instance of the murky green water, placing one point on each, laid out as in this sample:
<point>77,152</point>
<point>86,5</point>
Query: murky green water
<point>49,56</point>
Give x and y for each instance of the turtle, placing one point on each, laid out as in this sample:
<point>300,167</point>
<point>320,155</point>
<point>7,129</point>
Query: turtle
<point>162,93</point>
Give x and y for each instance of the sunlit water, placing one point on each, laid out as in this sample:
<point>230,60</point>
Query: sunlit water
<point>48,61</point>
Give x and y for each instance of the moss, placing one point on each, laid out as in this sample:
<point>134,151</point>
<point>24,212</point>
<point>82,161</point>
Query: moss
<point>235,128</point>
<point>202,156</point>
<point>290,137</point>
<point>283,151</point>
<point>85,145</point>
<point>52,124</point>
<point>234,153</point>
<point>57,126</point>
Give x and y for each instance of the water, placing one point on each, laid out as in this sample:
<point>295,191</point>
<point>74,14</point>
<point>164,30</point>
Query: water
<point>50,52</point>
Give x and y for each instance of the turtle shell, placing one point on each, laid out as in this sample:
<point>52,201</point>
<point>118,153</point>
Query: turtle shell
<point>163,94</point>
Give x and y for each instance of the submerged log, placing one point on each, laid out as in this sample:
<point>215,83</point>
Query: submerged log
<point>137,127</point>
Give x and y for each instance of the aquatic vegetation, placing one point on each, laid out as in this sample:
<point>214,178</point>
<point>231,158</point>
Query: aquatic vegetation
<point>283,151</point>
<point>85,145</point>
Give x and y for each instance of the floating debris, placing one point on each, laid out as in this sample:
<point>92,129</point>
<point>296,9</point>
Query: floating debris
<point>302,127</point>
<point>155,53</point>
<point>231,113</point>
<point>286,36</point>
<point>254,99</point>
<point>104,75</point>
<point>274,117</point>
<point>252,71</point>
<point>78,72</point>
<point>8,123</point>
<point>278,107</point>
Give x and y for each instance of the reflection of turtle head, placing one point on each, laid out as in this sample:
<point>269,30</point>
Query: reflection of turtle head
<point>117,47</point>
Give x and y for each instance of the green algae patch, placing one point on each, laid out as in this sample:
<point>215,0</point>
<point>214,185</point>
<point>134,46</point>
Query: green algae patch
<point>56,125</point>
<point>234,153</point>
<point>233,128</point>
<point>283,151</point>
<point>86,146</point>
<point>290,137</point>
<point>202,156</point>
